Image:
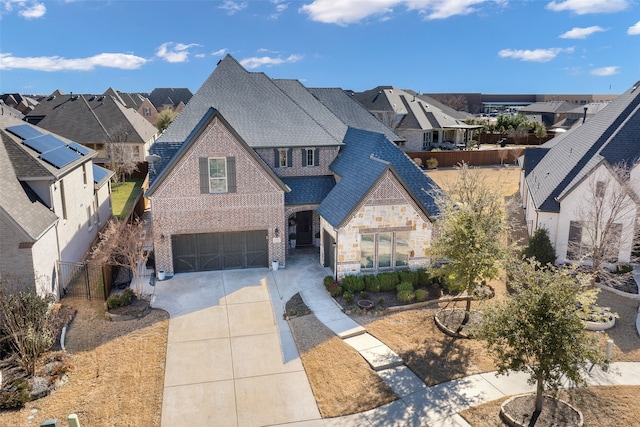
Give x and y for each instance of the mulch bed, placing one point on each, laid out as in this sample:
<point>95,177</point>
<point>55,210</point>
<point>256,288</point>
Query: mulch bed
<point>519,411</point>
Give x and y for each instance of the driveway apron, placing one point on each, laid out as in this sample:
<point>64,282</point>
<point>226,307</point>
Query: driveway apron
<point>228,362</point>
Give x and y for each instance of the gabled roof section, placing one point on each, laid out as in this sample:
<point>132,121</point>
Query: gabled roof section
<point>363,160</point>
<point>171,153</point>
<point>257,108</point>
<point>167,95</point>
<point>90,119</point>
<point>610,135</point>
<point>101,175</point>
<point>18,203</point>
<point>351,112</point>
<point>547,107</point>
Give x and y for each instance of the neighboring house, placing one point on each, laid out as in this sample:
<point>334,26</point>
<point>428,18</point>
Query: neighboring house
<point>251,160</point>
<point>53,202</point>
<point>93,121</point>
<point>22,103</point>
<point>547,113</point>
<point>578,115</point>
<point>173,99</point>
<point>559,176</point>
<point>422,122</point>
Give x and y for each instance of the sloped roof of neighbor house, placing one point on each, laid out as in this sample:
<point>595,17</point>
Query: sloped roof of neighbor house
<point>611,135</point>
<point>169,96</point>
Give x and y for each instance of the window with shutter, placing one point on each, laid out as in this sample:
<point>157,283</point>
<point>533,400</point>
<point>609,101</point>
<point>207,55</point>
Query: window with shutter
<point>217,175</point>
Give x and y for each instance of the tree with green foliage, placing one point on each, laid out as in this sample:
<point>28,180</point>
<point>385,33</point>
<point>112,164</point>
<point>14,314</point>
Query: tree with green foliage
<point>538,329</point>
<point>539,247</point>
<point>164,119</point>
<point>25,322</point>
<point>540,131</point>
<point>470,228</point>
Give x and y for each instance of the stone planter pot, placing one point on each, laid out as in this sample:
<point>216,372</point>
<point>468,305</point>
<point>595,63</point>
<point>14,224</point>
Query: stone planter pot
<point>365,304</point>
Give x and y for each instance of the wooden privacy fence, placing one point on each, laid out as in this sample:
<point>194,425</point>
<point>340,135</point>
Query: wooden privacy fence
<point>470,157</point>
<point>86,280</point>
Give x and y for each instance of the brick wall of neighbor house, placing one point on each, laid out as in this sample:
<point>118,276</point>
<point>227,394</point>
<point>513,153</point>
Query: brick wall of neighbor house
<point>387,208</point>
<point>327,155</point>
<point>179,208</point>
<point>75,234</point>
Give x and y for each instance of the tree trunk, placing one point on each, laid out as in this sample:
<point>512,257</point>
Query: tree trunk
<point>539,397</point>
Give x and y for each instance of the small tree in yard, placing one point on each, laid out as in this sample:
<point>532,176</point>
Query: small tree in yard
<point>540,248</point>
<point>470,227</point>
<point>538,330</point>
<point>124,244</point>
<point>120,160</point>
<point>164,119</point>
<point>25,321</point>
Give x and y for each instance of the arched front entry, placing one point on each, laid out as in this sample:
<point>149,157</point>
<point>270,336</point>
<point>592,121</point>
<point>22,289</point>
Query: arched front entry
<point>304,222</point>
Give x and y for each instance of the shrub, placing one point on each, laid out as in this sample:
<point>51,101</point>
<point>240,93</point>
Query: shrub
<point>334,289</point>
<point>409,276</point>
<point>421,295</point>
<point>353,284</point>
<point>404,286</point>
<point>406,296</point>
<point>424,278</point>
<point>348,297</point>
<point>432,162</point>
<point>388,281</point>
<point>623,268</point>
<point>381,302</point>
<point>539,246</point>
<point>121,300</point>
<point>328,281</point>
<point>364,295</point>
<point>371,283</point>
<point>15,394</point>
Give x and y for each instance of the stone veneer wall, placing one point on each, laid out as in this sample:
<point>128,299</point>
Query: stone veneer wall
<point>179,208</point>
<point>387,209</point>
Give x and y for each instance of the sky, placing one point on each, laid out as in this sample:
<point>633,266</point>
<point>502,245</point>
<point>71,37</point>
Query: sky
<point>429,46</point>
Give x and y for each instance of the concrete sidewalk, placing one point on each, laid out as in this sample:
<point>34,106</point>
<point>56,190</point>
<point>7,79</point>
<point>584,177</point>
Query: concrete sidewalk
<point>232,360</point>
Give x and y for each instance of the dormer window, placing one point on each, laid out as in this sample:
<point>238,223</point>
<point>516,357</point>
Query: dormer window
<point>310,157</point>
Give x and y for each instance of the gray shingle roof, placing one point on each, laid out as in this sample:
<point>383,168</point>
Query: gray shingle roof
<point>174,96</point>
<point>611,135</point>
<point>362,161</point>
<point>308,190</point>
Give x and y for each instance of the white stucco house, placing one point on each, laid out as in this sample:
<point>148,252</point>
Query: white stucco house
<point>564,180</point>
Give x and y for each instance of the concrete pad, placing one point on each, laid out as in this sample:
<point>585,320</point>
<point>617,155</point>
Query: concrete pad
<point>275,399</point>
<point>207,323</point>
<point>193,362</point>
<point>381,357</point>
<point>289,348</point>
<point>255,355</point>
<point>514,383</point>
<point>238,292</point>
<point>347,421</point>
<point>402,380</point>
<point>344,328</point>
<point>311,423</point>
<point>393,414</point>
<point>452,421</point>
<point>363,342</point>
<point>251,319</point>
<point>204,404</point>
<point>428,406</point>
<point>466,392</point>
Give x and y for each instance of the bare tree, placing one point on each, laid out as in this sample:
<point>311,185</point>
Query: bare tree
<point>121,157</point>
<point>605,220</point>
<point>124,244</point>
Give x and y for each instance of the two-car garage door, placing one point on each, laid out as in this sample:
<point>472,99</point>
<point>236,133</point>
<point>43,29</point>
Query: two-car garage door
<point>219,251</point>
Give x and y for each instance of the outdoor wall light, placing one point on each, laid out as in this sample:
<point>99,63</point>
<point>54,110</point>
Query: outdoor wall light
<point>277,232</point>
<point>162,237</point>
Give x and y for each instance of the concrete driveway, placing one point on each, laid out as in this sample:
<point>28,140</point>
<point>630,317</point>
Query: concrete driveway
<point>231,359</point>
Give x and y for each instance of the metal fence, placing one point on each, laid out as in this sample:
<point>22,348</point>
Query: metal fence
<point>86,280</point>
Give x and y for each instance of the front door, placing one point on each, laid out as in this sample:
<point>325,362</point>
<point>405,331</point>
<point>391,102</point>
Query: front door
<point>304,228</point>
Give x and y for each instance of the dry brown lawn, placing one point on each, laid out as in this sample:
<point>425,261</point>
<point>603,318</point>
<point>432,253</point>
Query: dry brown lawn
<point>118,376</point>
<point>505,178</point>
<point>600,406</point>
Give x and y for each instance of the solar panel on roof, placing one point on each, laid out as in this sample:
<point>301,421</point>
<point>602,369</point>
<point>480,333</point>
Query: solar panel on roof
<point>79,148</point>
<point>44,143</point>
<point>60,157</point>
<point>24,131</point>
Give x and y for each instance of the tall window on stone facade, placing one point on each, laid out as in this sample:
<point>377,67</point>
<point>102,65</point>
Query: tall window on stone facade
<point>217,175</point>
<point>384,250</point>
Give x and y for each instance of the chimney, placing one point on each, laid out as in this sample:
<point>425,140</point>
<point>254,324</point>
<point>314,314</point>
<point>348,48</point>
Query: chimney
<point>584,116</point>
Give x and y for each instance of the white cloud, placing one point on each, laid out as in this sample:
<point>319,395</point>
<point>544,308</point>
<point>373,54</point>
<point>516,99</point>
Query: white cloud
<point>605,71</point>
<point>122,61</point>
<point>268,61</point>
<point>233,7</point>
<point>581,33</point>
<point>634,30</point>
<point>34,11</point>
<point>220,52</point>
<point>351,11</point>
<point>583,7</point>
<point>174,52</point>
<point>535,55</point>
<point>281,6</point>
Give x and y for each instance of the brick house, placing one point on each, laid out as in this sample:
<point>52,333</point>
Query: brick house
<point>53,203</point>
<point>252,160</point>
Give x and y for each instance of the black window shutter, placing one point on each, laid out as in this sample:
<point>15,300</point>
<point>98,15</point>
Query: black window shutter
<point>304,157</point>
<point>204,175</point>
<point>276,155</point>
<point>316,157</point>
<point>231,175</point>
<point>289,158</point>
